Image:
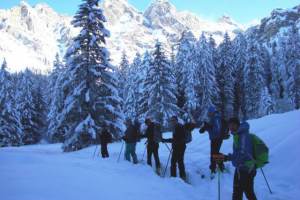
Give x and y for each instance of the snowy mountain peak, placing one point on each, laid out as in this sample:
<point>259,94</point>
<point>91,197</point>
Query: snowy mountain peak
<point>44,8</point>
<point>160,8</point>
<point>24,3</point>
<point>226,19</point>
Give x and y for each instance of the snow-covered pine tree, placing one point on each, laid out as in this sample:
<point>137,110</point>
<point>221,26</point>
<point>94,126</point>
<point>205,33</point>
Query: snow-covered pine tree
<point>91,99</point>
<point>266,103</point>
<point>224,76</point>
<point>57,70</point>
<point>39,99</point>
<point>28,111</point>
<point>184,61</point>
<point>253,82</point>
<point>277,85</point>
<point>10,127</point>
<point>133,88</point>
<point>186,76</point>
<point>122,75</point>
<point>56,101</point>
<point>213,46</point>
<point>144,96</point>
<point>207,88</point>
<point>239,60</point>
<point>160,85</point>
<point>293,65</point>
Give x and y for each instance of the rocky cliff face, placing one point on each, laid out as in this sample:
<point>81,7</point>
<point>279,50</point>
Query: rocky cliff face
<point>31,36</point>
<point>276,25</point>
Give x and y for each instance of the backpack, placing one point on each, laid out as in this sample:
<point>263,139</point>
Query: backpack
<point>188,128</point>
<point>260,151</point>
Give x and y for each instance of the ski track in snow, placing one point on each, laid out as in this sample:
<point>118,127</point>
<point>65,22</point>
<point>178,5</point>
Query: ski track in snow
<point>43,172</point>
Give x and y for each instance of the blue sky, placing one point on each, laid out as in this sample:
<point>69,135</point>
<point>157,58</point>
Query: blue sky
<point>242,11</point>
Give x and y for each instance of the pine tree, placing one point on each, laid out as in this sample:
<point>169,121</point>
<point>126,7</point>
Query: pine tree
<point>184,67</point>
<point>40,105</point>
<point>10,127</point>
<point>91,99</point>
<point>277,85</point>
<point>133,88</point>
<point>239,61</point>
<point>253,82</point>
<point>160,86</point>
<point>144,96</point>
<point>225,80</point>
<point>206,73</point>
<point>122,76</point>
<point>56,101</point>
<point>266,103</point>
<point>27,107</point>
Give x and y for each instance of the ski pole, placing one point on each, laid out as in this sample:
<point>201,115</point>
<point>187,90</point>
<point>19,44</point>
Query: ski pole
<point>168,147</point>
<point>219,183</point>
<point>95,152</point>
<point>120,152</point>
<point>262,171</point>
<point>164,174</point>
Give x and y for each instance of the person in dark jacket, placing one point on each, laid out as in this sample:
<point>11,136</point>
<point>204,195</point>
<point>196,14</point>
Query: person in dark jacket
<point>214,128</point>
<point>178,145</point>
<point>131,137</point>
<point>154,137</point>
<point>242,159</point>
<point>105,138</point>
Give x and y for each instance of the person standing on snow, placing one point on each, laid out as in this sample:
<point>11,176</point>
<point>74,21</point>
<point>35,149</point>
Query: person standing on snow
<point>105,138</point>
<point>178,148</point>
<point>131,137</point>
<point>217,132</point>
<point>154,137</point>
<point>242,160</point>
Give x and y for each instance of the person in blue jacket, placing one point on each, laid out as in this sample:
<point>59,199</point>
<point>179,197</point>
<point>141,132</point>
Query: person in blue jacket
<point>242,159</point>
<point>131,137</point>
<point>214,128</point>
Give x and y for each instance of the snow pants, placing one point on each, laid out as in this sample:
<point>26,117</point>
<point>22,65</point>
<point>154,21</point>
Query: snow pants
<point>152,149</point>
<point>243,183</point>
<point>130,152</point>
<point>178,158</point>
<point>104,151</point>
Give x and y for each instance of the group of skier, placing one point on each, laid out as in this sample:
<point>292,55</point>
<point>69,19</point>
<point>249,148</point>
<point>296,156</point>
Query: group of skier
<point>243,156</point>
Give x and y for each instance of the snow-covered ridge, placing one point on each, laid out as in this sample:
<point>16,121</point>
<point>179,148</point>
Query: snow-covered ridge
<point>31,36</point>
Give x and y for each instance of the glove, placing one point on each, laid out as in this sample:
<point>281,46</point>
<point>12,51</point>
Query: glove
<point>220,157</point>
<point>204,127</point>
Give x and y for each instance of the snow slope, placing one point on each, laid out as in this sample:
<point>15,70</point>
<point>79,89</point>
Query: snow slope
<point>43,172</point>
